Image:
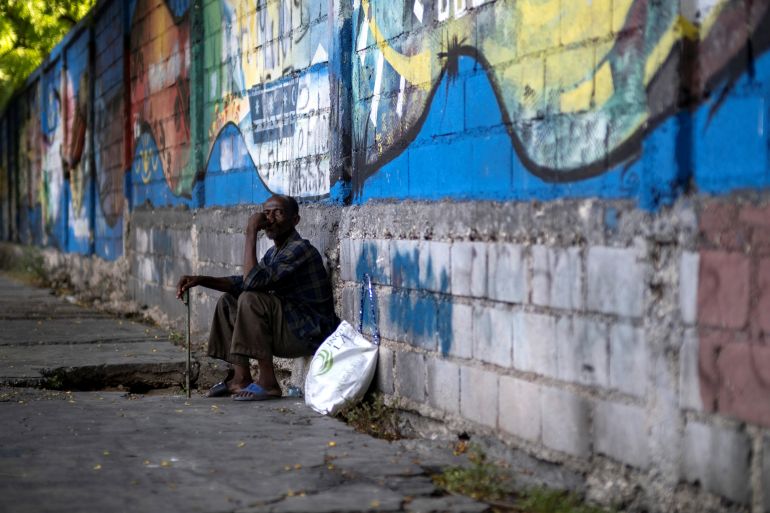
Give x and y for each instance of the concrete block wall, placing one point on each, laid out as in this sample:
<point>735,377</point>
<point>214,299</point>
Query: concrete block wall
<point>528,183</point>
<point>580,340</point>
<point>163,245</point>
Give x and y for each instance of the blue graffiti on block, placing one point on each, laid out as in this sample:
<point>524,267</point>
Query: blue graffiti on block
<point>416,316</point>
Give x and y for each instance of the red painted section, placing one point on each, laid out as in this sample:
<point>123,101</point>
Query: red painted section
<point>723,291</point>
<point>734,310</point>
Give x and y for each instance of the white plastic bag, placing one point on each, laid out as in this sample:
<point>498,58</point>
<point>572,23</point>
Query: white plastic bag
<point>343,366</point>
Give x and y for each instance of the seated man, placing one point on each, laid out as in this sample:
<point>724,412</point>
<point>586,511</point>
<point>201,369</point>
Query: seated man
<point>281,306</point>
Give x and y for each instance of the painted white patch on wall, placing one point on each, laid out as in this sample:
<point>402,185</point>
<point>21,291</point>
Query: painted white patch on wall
<point>165,73</point>
<point>213,86</point>
<point>226,157</point>
<point>362,40</point>
<point>460,8</point>
<point>400,100</point>
<point>443,7</point>
<point>418,9</point>
<point>377,90</point>
<point>286,131</point>
<point>320,55</point>
<point>698,11</point>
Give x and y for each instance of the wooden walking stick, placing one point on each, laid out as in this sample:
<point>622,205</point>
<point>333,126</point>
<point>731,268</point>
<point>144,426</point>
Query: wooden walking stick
<point>186,299</point>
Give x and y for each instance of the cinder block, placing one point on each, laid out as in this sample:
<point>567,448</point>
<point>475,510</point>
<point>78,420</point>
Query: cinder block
<point>346,260</point>
<point>616,281</point>
<point>582,351</point>
<point>688,286</point>
<point>478,396</point>
<point>182,244</point>
<point>462,331</point>
<point>350,301</point>
<point>141,240</point>
<point>723,291</point>
<point>519,408</point>
<point>410,375</point>
<point>557,277</point>
<point>718,458</point>
<point>394,309</point>
<point>629,360</point>
<point>506,276</point>
<point>689,375</point>
<point>443,385</point>
<point>384,376</point>
<point>148,270</point>
<point>492,335</point>
<point>405,258</point>
<point>534,343</point>
<point>621,432</point>
<point>566,422</point>
<point>469,269</point>
<point>372,257</point>
<point>434,266</point>
<point>762,310</point>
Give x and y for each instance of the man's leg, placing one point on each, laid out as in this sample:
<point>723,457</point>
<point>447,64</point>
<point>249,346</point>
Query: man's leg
<point>220,341</point>
<point>258,325</point>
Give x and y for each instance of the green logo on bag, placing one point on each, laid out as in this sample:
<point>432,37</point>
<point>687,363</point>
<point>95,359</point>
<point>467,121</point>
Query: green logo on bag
<point>327,360</point>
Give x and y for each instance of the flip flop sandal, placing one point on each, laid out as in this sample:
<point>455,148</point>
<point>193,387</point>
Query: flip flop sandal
<point>256,393</point>
<point>220,389</point>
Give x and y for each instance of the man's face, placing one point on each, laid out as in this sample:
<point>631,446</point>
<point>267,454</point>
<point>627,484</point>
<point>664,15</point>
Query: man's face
<point>279,216</point>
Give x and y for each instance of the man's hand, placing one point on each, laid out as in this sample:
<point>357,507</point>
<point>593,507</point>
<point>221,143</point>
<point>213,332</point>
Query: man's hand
<point>186,282</point>
<point>257,221</point>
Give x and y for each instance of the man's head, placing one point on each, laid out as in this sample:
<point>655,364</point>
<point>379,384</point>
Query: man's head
<point>283,215</point>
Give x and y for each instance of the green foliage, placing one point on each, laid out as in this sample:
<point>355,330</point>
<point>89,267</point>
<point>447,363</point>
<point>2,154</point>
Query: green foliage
<point>481,480</point>
<point>543,500</point>
<point>373,416</point>
<point>29,29</point>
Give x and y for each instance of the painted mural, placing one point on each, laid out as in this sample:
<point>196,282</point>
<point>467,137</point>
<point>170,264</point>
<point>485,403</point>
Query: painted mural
<point>160,101</point>
<point>29,166</point>
<point>75,145</point>
<point>109,127</point>
<point>53,194</point>
<point>266,76</point>
<point>576,86</point>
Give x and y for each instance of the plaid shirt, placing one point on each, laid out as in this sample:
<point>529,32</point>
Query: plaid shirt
<point>296,274</point>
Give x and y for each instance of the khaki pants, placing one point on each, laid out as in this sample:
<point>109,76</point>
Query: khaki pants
<point>252,326</point>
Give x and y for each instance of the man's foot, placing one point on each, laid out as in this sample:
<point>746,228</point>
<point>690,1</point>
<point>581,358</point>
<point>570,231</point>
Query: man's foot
<point>254,392</point>
<point>222,389</point>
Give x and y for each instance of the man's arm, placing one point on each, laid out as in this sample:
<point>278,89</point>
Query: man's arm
<point>224,284</point>
<point>257,222</point>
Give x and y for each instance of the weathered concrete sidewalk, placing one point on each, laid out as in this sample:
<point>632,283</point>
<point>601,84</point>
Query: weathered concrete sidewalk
<point>43,337</point>
<point>116,451</point>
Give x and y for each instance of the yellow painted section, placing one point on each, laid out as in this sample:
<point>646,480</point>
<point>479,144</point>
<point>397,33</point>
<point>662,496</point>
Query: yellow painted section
<point>583,20</point>
<point>538,25</point>
<point>620,12</point>
<point>679,28</point>
<point>416,69</point>
<point>604,86</point>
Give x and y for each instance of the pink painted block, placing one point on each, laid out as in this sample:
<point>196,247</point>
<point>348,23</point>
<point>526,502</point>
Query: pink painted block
<point>762,311</point>
<point>744,388</point>
<point>723,289</point>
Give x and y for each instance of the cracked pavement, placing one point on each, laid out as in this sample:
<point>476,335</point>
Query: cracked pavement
<point>116,451</point>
